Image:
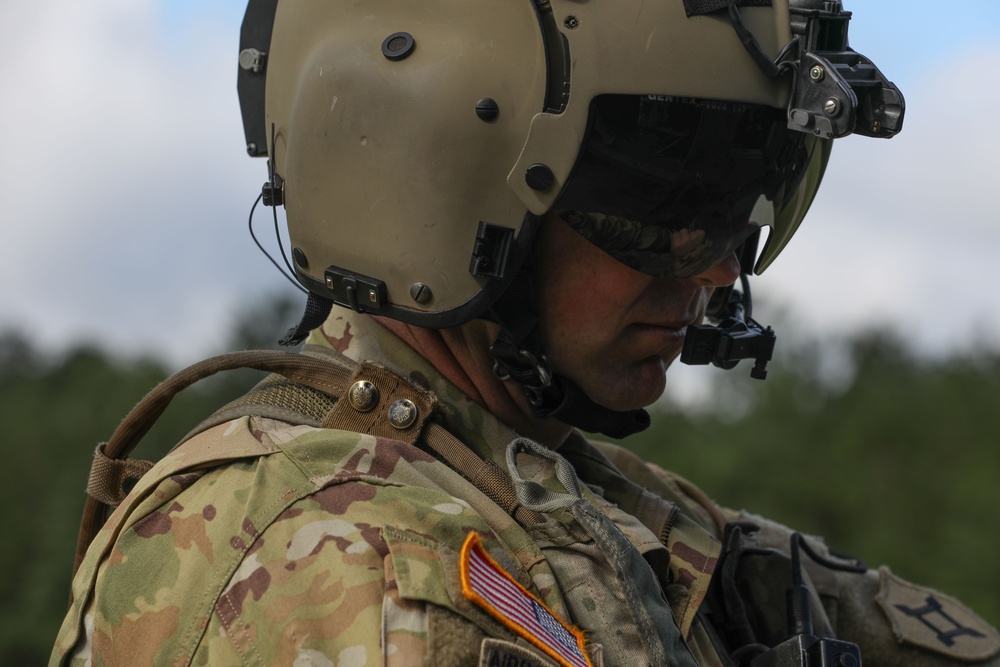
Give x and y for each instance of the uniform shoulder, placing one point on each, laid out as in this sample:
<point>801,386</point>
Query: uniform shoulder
<point>257,520</point>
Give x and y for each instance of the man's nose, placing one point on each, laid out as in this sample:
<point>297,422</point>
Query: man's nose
<point>724,273</point>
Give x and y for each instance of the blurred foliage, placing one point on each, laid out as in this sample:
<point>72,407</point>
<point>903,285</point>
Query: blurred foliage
<point>56,411</point>
<point>893,459</point>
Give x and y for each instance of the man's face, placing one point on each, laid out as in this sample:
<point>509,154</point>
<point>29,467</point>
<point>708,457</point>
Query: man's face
<point>611,329</point>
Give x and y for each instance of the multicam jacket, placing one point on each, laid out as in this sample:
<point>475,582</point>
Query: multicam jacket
<point>262,541</point>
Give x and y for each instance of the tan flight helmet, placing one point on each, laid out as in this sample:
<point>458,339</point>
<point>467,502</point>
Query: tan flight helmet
<point>418,147</point>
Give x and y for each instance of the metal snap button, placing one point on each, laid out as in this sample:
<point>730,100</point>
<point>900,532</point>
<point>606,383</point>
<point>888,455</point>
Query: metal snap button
<point>363,396</point>
<point>402,414</point>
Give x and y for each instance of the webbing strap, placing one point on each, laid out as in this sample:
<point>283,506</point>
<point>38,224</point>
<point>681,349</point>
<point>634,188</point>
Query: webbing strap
<point>394,408</point>
<point>112,479</point>
<point>484,475</point>
<point>113,473</point>
<point>315,373</point>
<point>274,397</point>
<point>108,469</point>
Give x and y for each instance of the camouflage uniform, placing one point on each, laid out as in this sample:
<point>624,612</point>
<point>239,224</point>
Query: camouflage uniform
<point>263,542</point>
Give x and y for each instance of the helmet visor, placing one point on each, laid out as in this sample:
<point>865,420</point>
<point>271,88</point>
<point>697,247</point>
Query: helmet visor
<point>672,186</point>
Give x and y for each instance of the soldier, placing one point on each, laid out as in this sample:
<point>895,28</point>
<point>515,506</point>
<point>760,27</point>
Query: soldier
<point>527,210</point>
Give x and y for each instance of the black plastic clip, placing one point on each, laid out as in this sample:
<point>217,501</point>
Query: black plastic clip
<point>274,192</point>
<point>360,293</point>
<point>725,345</point>
<point>489,255</point>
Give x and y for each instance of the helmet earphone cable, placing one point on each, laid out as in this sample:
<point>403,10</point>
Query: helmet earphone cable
<point>288,277</point>
<point>278,198</point>
<point>273,201</point>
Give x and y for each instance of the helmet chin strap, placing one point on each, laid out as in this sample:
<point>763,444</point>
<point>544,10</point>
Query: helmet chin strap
<point>554,396</point>
<point>519,357</point>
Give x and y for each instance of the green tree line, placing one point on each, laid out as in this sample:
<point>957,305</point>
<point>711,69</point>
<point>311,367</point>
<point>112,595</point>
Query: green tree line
<point>895,462</point>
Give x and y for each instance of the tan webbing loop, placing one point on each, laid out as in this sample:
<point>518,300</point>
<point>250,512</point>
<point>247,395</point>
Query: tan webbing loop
<point>274,397</point>
<point>112,479</point>
<point>373,419</point>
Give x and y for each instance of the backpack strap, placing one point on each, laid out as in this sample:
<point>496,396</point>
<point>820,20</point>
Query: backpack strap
<point>275,397</point>
<point>113,474</point>
<point>303,389</point>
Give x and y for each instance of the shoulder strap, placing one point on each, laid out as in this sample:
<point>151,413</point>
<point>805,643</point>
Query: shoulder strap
<point>274,397</point>
<point>113,474</point>
<point>304,390</point>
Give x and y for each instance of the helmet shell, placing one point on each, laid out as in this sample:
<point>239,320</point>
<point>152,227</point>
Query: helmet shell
<point>387,169</point>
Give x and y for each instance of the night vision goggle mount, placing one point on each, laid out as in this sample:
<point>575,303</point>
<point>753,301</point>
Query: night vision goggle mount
<point>836,91</point>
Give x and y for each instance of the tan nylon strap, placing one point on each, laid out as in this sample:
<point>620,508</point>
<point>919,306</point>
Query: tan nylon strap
<point>112,479</point>
<point>112,470</point>
<point>484,475</point>
<point>315,373</point>
<point>274,397</point>
<point>383,408</point>
<point>320,375</point>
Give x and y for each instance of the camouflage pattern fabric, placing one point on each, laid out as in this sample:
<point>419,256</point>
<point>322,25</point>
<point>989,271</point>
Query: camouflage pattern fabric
<point>268,543</point>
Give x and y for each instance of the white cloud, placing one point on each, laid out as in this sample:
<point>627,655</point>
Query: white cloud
<point>127,187</point>
<point>906,232</point>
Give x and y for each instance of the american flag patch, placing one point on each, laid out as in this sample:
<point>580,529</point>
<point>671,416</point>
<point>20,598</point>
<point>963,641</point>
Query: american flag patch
<point>489,586</point>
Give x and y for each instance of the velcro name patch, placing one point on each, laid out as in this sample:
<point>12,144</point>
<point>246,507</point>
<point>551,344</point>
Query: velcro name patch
<point>934,621</point>
<point>489,586</point>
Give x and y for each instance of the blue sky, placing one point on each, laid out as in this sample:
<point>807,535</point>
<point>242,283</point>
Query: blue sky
<point>908,37</point>
<point>127,187</point>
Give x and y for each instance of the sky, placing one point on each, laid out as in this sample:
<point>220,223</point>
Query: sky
<point>126,187</point>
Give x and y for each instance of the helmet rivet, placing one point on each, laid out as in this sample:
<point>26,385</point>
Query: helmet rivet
<point>876,126</point>
<point>363,396</point>
<point>487,109</point>
<point>252,60</point>
<point>398,45</point>
<point>816,73</point>
<point>831,107</point>
<point>252,149</point>
<point>402,414</point>
<point>420,293</point>
<point>329,282</point>
<point>300,258</point>
<point>571,22</point>
<point>539,177</point>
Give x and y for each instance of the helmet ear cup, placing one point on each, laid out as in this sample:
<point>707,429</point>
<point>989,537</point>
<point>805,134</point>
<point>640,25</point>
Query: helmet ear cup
<point>390,169</point>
